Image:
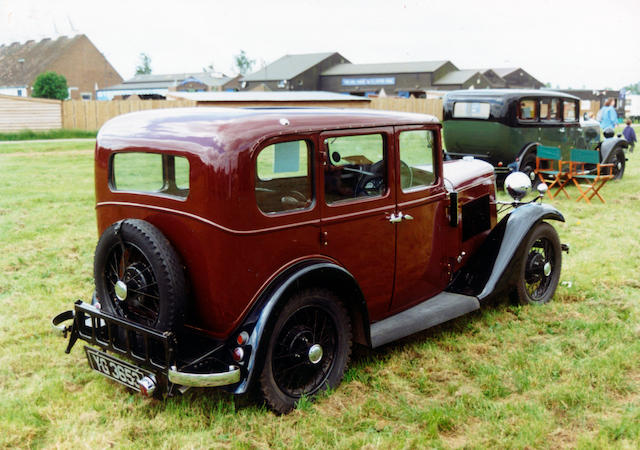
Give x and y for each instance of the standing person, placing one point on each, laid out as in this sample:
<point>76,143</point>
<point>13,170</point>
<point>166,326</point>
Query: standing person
<point>630,135</point>
<point>607,115</point>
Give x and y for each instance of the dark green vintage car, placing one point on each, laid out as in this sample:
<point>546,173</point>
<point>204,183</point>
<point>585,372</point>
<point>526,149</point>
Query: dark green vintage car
<point>504,127</point>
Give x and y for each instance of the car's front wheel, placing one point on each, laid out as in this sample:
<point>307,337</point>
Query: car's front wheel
<point>539,269</point>
<point>308,349</point>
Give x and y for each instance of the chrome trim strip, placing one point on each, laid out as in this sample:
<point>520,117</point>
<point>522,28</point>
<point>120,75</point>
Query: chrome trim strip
<point>204,379</point>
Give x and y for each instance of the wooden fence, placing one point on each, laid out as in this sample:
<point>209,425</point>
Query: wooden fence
<point>91,115</point>
<point>431,106</point>
<point>20,113</point>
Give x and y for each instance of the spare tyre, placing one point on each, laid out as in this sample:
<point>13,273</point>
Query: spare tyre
<point>139,276</point>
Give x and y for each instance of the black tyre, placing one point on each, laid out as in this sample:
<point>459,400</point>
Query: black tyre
<point>539,269</point>
<point>528,167</point>
<point>139,275</point>
<point>308,350</point>
<point>618,159</point>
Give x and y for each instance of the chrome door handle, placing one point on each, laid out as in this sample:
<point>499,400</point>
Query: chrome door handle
<point>397,218</point>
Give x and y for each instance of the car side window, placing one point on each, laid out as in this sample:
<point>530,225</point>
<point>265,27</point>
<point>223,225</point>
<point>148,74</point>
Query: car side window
<point>283,177</point>
<point>549,109</point>
<point>527,110</point>
<point>356,167</point>
<point>416,159</point>
<point>569,109</point>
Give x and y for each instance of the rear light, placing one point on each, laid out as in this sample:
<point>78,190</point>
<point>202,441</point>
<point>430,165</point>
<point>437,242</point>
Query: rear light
<point>500,164</point>
<point>238,354</point>
<point>147,386</point>
<point>242,338</point>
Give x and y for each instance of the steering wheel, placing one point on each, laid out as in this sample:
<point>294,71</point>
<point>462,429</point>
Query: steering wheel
<point>294,199</point>
<point>371,182</point>
<point>406,175</point>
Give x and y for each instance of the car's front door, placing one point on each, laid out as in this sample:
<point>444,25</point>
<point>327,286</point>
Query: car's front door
<point>357,204</point>
<point>421,217</point>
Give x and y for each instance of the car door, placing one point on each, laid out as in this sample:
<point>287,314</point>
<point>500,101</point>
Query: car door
<point>553,131</point>
<point>421,223</point>
<point>357,205</point>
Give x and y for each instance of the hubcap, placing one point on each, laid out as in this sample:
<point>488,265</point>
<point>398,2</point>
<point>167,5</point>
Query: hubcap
<point>547,269</point>
<point>315,353</point>
<point>120,289</point>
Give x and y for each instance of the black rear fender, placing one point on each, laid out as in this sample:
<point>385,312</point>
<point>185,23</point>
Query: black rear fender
<point>310,273</point>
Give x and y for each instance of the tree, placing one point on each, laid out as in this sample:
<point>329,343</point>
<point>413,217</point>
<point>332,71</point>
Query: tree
<point>633,88</point>
<point>144,68</point>
<point>50,85</point>
<point>243,63</point>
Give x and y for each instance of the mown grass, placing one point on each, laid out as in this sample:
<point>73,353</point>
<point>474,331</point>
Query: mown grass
<point>562,375</point>
<point>24,135</point>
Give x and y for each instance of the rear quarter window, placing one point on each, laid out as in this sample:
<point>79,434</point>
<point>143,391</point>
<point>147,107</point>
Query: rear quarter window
<point>150,173</point>
<point>471,110</point>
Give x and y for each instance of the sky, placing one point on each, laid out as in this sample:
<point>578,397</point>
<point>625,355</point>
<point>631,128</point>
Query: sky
<point>571,44</point>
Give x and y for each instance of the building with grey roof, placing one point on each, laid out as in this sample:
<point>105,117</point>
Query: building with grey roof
<point>154,86</point>
<point>462,79</point>
<point>516,77</point>
<point>293,72</point>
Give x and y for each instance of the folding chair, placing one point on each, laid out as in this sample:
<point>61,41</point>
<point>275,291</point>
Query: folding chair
<point>585,170</point>
<point>549,165</point>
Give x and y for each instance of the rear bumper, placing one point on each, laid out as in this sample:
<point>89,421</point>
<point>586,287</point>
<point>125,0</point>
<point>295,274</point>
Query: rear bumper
<point>149,349</point>
<point>232,376</point>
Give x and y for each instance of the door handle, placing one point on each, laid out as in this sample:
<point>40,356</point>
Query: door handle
<point>397,218</point>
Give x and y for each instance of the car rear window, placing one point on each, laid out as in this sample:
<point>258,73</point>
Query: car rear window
<point>471,110</point>
<point>150,173</point>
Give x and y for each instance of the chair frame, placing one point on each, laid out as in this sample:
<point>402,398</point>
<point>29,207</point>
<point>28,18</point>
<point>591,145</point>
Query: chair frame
<point>578,171</point>
<point>549,163</point>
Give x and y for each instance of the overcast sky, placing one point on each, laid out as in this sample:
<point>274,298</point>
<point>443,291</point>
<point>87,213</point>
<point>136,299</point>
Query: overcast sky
<point>577,44</point>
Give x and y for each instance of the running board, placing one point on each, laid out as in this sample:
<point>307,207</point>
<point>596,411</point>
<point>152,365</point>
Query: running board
<point>438,309</point>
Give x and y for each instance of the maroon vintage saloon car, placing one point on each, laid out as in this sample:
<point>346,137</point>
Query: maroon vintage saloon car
<point>252,247</point>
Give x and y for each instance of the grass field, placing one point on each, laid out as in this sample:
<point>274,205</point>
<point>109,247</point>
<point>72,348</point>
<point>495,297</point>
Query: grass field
<point>566,374</point>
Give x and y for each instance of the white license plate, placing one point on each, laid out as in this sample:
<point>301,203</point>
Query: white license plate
<point>116,369</point>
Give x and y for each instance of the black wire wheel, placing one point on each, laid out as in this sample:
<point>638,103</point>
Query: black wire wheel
<point>139,276</point>
<point>308,349</point>
<point>618,159</point>
<point>539,270</point>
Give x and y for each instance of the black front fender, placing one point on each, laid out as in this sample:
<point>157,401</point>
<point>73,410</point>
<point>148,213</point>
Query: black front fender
<point>607,146</point>
<point>488,271</point>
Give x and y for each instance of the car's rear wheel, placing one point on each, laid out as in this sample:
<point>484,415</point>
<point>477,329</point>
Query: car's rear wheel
<point>308,349</point>
<point>539,269</point>
<point>139,275</point>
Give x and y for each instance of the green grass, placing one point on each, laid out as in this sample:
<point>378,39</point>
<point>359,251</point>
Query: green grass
<point>562,375</point>
<point>25,135</point>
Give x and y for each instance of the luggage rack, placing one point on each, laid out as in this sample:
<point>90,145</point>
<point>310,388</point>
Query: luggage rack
<point>140,344</point>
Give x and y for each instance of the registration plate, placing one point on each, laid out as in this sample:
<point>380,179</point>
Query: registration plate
<point>116,369</point>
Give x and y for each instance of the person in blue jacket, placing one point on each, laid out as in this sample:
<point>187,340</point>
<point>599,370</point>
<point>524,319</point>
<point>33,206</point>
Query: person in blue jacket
<point>607,115</point>
<point>630,135</point>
